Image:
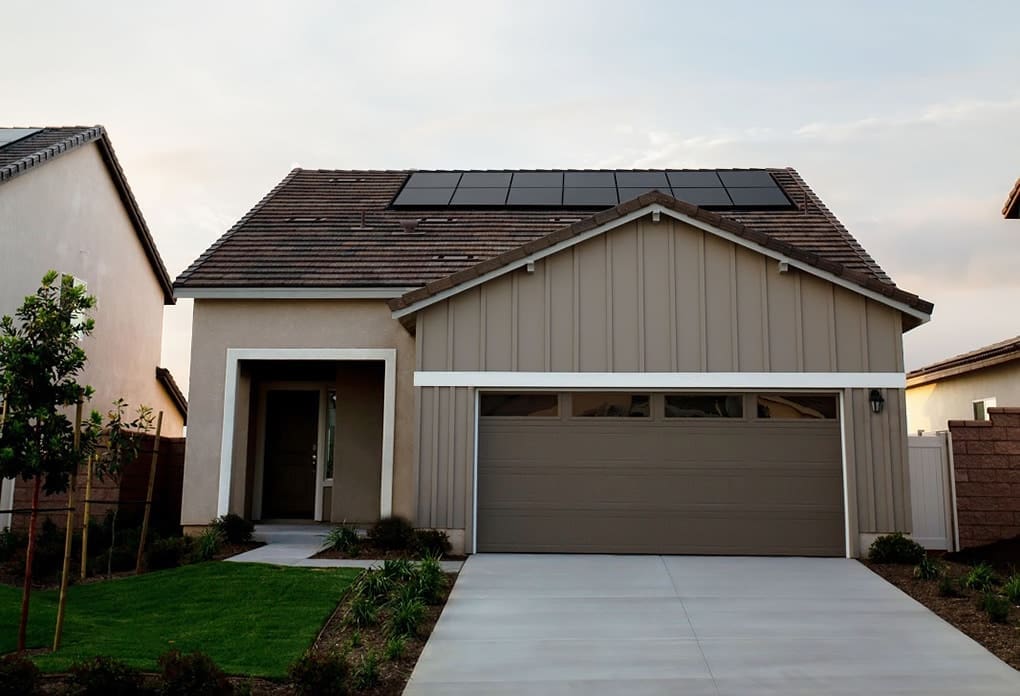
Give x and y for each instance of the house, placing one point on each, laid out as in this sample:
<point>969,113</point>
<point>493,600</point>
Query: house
<point>964,387</point>
<point>66,205</point>
<point>700,361</point>
<point>1011,209</point>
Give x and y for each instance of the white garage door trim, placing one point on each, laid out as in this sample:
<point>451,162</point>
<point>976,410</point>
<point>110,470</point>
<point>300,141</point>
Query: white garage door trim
<point>474,472</point>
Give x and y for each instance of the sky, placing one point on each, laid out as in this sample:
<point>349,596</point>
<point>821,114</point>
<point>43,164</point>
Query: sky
<point>904,117</point>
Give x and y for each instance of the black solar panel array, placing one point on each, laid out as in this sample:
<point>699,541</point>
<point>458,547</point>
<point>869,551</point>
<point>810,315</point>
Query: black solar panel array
<point>715,189</point>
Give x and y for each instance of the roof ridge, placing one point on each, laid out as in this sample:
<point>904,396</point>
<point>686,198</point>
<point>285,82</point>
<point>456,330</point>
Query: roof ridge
<point>186,273</point>
<point>1005,345</point>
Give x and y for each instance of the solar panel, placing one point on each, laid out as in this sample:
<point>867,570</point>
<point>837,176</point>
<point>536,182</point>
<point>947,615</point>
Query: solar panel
<point>9,135</point>
<point>702,196</point>
<point>589,180</point>
<point>424,196</point>
<point>538,179</point>
<point>585,197</point>
<point>433,180</point>
<point>752,197</point>
<point>645,180</point>
<point>755,178</point>
<point>693,179</point>
<point>485,179</point>
<point>479,196</point>
<point>634,191</point>
<point>535,196</point>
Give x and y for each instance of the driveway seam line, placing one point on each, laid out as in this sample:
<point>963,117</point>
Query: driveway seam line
<point>697,640</point>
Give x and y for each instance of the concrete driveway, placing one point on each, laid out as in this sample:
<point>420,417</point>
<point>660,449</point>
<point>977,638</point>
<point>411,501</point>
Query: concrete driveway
<point>636,625</point>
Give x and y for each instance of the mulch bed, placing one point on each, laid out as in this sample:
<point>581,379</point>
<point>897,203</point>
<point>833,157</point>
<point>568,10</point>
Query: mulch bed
<point>1003,640</point>
<point>372,553</point>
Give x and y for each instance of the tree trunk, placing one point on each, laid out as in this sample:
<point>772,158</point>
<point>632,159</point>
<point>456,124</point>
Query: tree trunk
<point>29,559</point>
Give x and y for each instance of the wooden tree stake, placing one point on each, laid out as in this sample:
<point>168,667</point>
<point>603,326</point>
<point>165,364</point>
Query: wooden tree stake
<point>29,559</point>
<point>148,494</point>
<point>68,536</point>
<point>86,518</point>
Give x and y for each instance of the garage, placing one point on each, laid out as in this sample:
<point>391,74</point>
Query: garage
<point>666,473</point>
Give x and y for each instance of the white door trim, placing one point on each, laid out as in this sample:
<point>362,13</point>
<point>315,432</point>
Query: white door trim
<point>843,399</point>
<point>235,355</point>
<point>743,381</point>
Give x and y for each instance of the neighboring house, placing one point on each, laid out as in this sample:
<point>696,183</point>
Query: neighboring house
<point>65,205</point>
<point>552,361</point>
<point>964,387</point>
<point>1011,210</point>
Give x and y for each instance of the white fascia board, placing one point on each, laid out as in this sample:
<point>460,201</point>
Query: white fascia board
<point>663,380</point>
<point>701,225</point>
<point>290,293</point>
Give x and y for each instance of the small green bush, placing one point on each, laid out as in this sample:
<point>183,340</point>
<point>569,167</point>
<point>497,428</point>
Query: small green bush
<point>361,612</point>
<point>318,674</point>
<point>431,542</point>
<point>206,545</point>
<point>194,674</point>
<point>406,617</point>
<point>105,676</point>
<point>353,641</point>
<point>18,675</point>
<point>429,580</point>
<point>928,569</point>
<point>398,570</point>
<point>167,553</point>
<point>124,558</point>
<point>1012,589</point>
<point>895,548</point>
<point>366,673</point>
<point>995,606</point>
<point>345,540</point>
<point>234,528</point>
<point>948,587</point>
<point>392,533</point>
<point>10,543</point>
<point>981,578</point>
<point>395,647</point>
<point>375,585</point>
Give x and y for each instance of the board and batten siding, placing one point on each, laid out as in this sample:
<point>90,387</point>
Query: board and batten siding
<point>659,297</point>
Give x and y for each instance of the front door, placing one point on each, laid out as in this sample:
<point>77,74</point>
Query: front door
<point>292,433</point>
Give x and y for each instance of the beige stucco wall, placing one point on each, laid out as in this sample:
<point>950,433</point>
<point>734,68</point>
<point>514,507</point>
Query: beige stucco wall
<point>222,324</point>
<point>67,216</point>
<point>931,406</point>
<point>661,297</point>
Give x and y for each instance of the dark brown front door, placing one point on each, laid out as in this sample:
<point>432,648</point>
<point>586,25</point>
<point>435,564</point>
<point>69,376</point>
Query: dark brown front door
<point>288,477</point>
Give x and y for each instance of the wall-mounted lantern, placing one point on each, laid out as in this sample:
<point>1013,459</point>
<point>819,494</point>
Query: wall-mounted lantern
<point>877,401</point>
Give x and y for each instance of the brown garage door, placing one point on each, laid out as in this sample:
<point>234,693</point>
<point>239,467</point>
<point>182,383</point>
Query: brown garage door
<point>757,474</point>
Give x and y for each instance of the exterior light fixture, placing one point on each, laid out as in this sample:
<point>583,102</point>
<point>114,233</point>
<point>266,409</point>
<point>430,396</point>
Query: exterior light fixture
<point>877,401</point>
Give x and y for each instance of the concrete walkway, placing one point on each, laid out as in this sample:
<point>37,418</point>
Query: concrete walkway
<point>295,544</point>
<point>638,625</point>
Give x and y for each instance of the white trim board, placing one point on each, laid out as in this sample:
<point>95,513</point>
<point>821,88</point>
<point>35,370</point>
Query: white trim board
<point>291,293</point>
<point>234,355</point>
<point>664,380</point>
<point>657,209</point>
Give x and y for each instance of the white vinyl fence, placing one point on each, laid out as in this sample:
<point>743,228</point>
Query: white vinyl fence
<point>932,491</point>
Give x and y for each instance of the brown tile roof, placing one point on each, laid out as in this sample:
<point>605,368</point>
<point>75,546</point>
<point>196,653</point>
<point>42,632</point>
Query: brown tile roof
<point>987,356</point>
<point>1012,207</point>
<point>336,229</point>
<point>21,156</point>
<point>169,385</point>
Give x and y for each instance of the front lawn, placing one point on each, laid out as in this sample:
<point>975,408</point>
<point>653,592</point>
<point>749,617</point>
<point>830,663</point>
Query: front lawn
<point>249,618</point>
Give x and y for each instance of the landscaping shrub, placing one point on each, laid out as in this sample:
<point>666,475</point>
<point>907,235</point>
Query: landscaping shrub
<point>105,676</point>
<point>928,569</point>
<point>392,533</point>
<point>948,587</point>
<point>317,674</point>
<point>10,543</point>
<point>366,674</point>
<point>18,675</point>
<point>235,529</point>
<point>398,570</point>
<point>429,580</point>
<point>167,553</point>
<point>995,606</point>
<point>406,617</point>
<point>362,612</point>
<point>895,548</point>
<point>124,558</point>
<point>1012,589</point>
<point>395,647</point>
<point>206,545</point>
<point>194,674</point>
<point>344,540</point>
<point>375,585</point>
<point>431,542</point>
<point>981,577</point>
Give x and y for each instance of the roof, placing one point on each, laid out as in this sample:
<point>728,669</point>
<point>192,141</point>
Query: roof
<point>994,354</point>
<point>1012,207</point>
<point>27,153</point>
<point>169,384</point>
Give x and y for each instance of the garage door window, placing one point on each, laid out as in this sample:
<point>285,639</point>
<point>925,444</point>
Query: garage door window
<point>704,406</point>
<point>519,405</point>
<point>797,406</point>
<point>610,405</point>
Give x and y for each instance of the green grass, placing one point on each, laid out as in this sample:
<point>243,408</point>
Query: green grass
<point>250,618</point>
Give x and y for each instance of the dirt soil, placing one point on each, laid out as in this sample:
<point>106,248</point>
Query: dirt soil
<point>1003,640</point>
<point>372,553</point>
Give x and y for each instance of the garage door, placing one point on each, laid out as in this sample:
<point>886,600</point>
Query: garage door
<point>752,474</point>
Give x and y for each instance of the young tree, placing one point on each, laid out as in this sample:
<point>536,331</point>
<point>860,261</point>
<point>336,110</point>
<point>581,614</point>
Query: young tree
<point>40,360</point>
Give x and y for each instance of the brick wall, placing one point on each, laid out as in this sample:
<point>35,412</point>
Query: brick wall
<point>134,481</point>
<point>986,456</point>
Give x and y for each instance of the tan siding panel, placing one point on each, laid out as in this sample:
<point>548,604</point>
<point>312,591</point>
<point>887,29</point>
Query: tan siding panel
<point>434,341</point>
<point>751,312</point>
<point>815,297</point>
<point>719,319</point>
<point>658,348</point>
<point>593,348</point>
<point>884,326</point>
<point>624,290</point>
<point>466,331</point>
<point>783,339</point>
<point>687,257</point>
<point>498,305</point>
<point>531,339</point>
<point>849,346</point>
<point>560,277</point>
